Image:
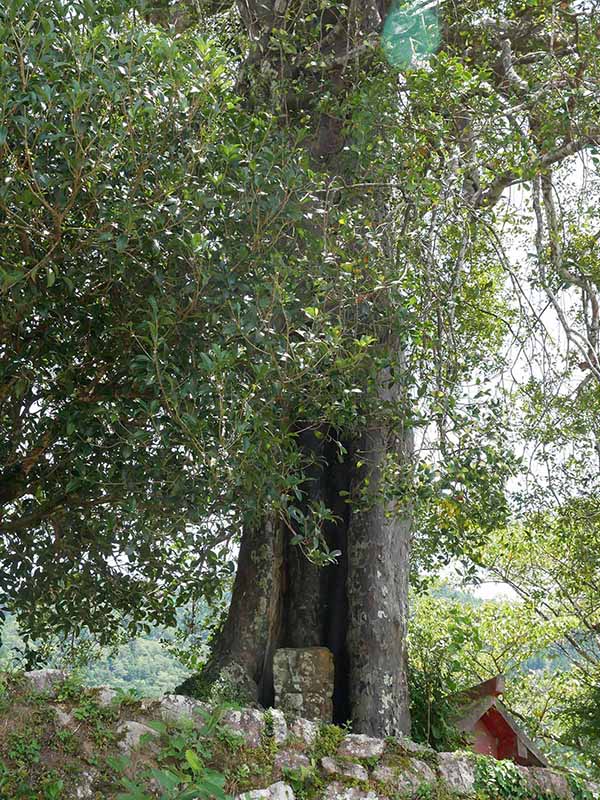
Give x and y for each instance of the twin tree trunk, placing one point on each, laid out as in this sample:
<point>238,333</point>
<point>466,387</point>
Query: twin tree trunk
<point>357,607</point>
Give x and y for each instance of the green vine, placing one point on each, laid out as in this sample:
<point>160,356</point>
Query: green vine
<point>500,780</point>
<point>578,790</point>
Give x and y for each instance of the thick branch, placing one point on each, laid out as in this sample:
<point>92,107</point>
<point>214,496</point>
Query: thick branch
<point>489,197</point>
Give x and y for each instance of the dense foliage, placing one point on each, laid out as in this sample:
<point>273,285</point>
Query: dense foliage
<point>104,134</point>
<point>190,279</point>
<point>164,335</point>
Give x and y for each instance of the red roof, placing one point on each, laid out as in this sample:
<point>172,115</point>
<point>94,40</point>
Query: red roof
<point>495,731</point>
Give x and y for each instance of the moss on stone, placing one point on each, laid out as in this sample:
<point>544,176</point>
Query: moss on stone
<point>329,738</point>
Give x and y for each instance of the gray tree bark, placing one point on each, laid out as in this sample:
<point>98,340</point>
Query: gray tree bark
<point>242,653</point>
<point>378,558</point>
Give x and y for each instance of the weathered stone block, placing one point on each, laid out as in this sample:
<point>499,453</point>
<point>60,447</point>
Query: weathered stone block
<point>45,680</point>
<point>249,723</point>
<point>306,730</point>
<point>302,667</point>
<point>64,718</point>
<point>132,733</point>
<point>105,695</point>
<point>290,759</point>
<point>457,771</point>
<point>280,728</point>
<point>84,790</point>
<point>303,680</point>
<point>385,774</point>
<point>414,748</point>
<point>277,791</point>
<point>318,706</point>
<point>421,770</point>
<point>344,769</point>
<point>173,707</point>
<point>357,745</point>
<point>405,781</point>
<point>547,782</point>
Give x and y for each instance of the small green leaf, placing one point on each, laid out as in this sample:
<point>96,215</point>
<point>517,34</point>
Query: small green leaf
<point>167,779</point>
<point>158,726</point>
<point>193,760</point>
<point>121,243</point>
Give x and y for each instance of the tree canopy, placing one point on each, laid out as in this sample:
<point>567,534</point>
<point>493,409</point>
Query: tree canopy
<point>159,322</point>
<point>242,245</point>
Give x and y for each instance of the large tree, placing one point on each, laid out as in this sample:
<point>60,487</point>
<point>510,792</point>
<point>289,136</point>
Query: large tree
<point>300,278</point>
<point>309,63</point>
<point>498,82</point>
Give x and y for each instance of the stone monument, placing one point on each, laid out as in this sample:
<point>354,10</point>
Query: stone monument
<point>303,680</point>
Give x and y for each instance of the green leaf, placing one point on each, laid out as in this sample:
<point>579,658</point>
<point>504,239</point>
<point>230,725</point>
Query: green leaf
<point>311,311</point>
<point>158,726</point>
<point>192,759</point>
<point>121,243</point>
<point>167,779</point>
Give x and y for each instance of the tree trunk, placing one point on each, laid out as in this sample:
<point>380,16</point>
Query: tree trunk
<point>316,606</point>
<point>241,658</point>
<point>378,572</point>
<point>357,607</point>
<point>303,617</point>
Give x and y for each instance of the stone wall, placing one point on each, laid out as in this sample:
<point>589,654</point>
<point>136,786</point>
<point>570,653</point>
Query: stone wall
<point>344,765</point>
<point>362,767</point>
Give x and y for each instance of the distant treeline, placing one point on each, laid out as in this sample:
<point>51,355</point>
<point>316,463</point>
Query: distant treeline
<point>144,663</point>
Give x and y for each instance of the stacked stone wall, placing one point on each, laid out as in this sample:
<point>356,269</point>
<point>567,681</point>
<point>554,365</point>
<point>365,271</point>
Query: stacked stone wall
<point>340,764</point>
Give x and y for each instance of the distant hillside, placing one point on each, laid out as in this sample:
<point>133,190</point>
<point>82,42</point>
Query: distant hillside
<point>143,664</point>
